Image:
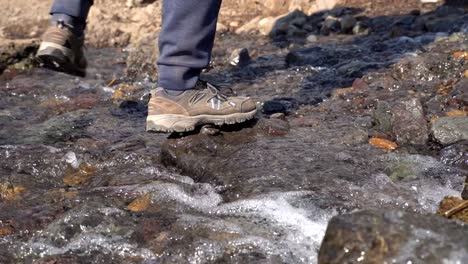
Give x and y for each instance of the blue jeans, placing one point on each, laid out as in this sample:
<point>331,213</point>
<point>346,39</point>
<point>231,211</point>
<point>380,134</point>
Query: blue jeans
<point>185,42</point>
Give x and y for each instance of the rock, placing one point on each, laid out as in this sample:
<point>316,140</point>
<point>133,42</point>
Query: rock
<point>355,68</point>
<point>62,128</point>
<point>312,38</point>
<point>209,130</point>
<point>249,27</point>
<point>273,127</point>
<point>465,190</point>
<point>140,204</point>
<point>393,237</point>
<point>321,5</point>
<point>221,28</point>
<point>79,177</point>
<point>360,28</point>
<point>266,25</point>
<point>240,57</point>
<point>347,23</point>
<point>409,123</point>
<point>234,24</point>
<point>272,107</point>
<point>449,130</point>
<point>274,6</point>
<point>455,155</point>
<point>330,24</point>
<point>302,5</point>
<point>280,116</point>
<point>287,24</point>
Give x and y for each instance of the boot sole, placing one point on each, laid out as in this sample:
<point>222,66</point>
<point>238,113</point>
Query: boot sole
<point>58,58</point>
<point>180,123</point>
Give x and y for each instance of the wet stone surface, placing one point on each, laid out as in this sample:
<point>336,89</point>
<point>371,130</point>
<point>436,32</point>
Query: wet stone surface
<point>393,236</point>
<point>83,182</point>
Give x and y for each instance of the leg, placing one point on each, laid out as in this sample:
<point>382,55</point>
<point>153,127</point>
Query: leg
<point>185,44</point>
<point>186,40</point>
<point>73,12</point>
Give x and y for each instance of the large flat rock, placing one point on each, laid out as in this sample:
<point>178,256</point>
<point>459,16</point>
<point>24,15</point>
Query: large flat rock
<point>394,237</point>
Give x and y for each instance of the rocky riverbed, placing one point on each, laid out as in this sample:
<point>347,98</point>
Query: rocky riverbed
<point>361,134</point>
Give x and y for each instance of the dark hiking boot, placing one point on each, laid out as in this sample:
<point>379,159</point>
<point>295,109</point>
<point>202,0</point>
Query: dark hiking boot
<point>61,50</point>
<point>195,107</point>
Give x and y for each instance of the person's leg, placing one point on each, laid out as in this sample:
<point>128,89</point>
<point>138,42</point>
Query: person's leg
<point>72,12</point>
<point>185,42</point>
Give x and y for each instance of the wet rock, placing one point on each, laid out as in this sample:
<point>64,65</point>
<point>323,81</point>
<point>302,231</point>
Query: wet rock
<point>455,155</point>
<point>347,23</point>
<point>449,130</point>
<point>465,190</point>
<point>140,204</point>
<point>409,123</point>
<point>355,68</point>
<point>10,192</point>
<point>274,127</point>
<point>273,107</point>
<point>79,177</point>
<point>393,237</point>
<point>383,117</point>
<point>240,57</point>
<point>62,128</point>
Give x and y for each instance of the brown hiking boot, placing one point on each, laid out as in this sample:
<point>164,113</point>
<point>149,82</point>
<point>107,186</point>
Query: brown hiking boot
<point>184,112</point>
<point>61,50</point>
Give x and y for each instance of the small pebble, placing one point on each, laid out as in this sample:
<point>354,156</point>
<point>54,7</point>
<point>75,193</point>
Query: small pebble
<point>209,130</point>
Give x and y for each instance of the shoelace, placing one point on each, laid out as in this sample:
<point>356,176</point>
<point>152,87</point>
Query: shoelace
<point>212,90</point>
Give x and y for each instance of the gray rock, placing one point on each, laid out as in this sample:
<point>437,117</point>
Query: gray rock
<point>464,194</point>
<point>330,24</point>
<point>273,107</point>
<point>409,123</point>
<point>393,237</point>
<point>61,128</point>
<point>347,23</point>
<point>456,155</point>
<point>383,117</point>
<point>360,28</point>
<point>449,130</point>
<point>240,57</point>
<point>312,38</point>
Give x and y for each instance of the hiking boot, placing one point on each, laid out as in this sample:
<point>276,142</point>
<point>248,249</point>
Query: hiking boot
<point>61,50</point>
<point>167,113</point>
